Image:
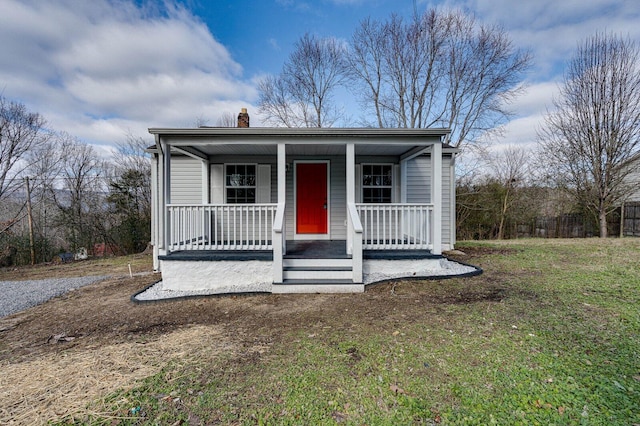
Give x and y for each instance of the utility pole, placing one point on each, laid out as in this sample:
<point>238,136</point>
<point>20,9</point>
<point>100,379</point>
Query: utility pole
<point>31,245</point>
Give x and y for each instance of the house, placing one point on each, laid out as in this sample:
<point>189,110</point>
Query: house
<point>630,208</point>
<point>299,209</point>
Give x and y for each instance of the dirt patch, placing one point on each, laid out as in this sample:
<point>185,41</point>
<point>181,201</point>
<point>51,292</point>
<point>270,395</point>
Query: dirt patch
<point>478,251</point>
<point>113,342</point>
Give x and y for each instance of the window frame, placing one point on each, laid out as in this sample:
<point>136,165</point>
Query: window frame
<point>254,186</point>
<point>363,187</point>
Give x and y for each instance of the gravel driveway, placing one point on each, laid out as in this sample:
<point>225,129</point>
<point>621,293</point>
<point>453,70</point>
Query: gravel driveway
<point>16,296</point>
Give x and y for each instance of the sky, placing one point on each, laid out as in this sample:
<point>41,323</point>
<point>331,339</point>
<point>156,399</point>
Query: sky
<point>103,69</point>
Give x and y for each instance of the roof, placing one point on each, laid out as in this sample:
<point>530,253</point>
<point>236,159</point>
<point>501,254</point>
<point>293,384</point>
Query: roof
<point>300,131</point>
<point>307,140</point>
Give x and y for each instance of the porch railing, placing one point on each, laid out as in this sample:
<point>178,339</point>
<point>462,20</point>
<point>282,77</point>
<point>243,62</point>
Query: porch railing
<point>221,226</point>
<point>396,226</point>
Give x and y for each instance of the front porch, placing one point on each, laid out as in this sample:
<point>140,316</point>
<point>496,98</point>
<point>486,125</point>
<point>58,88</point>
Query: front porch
<point>254,233</point>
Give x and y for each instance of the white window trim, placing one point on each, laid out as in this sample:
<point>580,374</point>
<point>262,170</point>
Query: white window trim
<point>363,186</point>
<point>225,187</point>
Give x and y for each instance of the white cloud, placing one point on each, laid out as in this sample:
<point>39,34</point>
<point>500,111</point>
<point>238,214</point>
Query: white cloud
<point>273,43</point>
<point>536,98</point>
<point>103,68</point>
<point>552,29</point>
<point>530,109</point>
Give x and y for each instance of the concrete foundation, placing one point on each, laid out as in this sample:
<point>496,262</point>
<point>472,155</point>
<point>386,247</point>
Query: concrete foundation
<point>375,270</point>
<point>219,276</point>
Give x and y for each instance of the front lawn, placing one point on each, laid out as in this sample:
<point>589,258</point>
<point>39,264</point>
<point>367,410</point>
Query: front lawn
<point>549,334</point>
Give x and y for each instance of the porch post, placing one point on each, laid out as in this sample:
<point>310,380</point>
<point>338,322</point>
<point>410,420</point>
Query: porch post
<point>280,229</point>
<point>155,221</point>
<point>166,195</point>
<point>403,181</point>
<point>205,180</point>
<point>351,191</point>
<point>282,173</point>
<point>436,196</point>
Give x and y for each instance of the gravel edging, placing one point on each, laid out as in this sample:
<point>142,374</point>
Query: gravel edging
<point>448,269</point>
<point>16,296</point>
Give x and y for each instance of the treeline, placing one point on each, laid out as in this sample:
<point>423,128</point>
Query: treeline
<point>58,194</point>
<point>514,193</point>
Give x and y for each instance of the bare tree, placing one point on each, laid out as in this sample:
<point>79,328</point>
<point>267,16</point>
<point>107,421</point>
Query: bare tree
<point>277,105</point>
<point>301,95</point>
<point>509,168</point>
<point>365,65</point>
<point>80,197</point>
<point>227,119</point>
<point>591,138</point>
<point>200,121</point>
<point>132,154</point>
<point>21,132</point>
<point>441,68</point>
<point>130,196</point>
<point>484,73</point>
<point>132,157</point>
<point>397,63</point>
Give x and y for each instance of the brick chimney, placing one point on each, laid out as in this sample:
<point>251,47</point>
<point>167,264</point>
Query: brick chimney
<point>243,118</point>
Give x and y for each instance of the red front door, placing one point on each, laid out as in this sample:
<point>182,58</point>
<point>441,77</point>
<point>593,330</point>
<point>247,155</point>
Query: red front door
<point>311,198</point>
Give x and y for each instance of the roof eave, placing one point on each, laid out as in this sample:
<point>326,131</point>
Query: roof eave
<point>297,132</point>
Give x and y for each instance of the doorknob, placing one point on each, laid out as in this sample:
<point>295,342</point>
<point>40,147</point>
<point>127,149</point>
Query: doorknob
<point>324,206</point>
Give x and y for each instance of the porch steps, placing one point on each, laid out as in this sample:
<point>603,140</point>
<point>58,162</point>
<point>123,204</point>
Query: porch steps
<point>317,276</point>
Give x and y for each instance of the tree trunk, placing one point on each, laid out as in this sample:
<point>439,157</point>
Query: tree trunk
<point>602,216</point>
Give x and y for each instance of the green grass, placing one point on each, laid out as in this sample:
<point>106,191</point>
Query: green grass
<point>561,346</point>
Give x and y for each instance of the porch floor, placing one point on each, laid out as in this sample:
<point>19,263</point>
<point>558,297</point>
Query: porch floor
<point>300,249</point>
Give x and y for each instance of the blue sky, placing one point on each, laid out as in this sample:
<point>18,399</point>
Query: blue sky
<point>100,69</point>
<point>261,33</point>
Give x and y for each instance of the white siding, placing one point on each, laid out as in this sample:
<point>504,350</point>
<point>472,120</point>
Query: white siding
<point>419,188</point>
<point>186,180</point>
<point>634,180</point>
<point>448,218</point>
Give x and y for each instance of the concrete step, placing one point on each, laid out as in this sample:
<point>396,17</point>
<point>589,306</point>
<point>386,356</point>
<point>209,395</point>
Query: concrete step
<point>303,263</point>
<point>315,281</point>
<point>317,273</point>
<point>317,286</point>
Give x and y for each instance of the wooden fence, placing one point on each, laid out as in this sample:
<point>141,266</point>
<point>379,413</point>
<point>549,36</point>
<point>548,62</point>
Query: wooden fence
<point>631,220</point>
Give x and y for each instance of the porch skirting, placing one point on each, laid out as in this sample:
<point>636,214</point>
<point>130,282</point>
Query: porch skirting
<point>181,276</point>
<point>375,270</point>
<point>222,276</point>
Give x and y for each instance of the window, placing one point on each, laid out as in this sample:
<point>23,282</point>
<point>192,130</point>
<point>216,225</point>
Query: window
<point>240,183</point>
<point>377,183</point>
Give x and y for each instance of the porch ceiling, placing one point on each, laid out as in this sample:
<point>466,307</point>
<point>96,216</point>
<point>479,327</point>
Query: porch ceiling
<point>316,150</point>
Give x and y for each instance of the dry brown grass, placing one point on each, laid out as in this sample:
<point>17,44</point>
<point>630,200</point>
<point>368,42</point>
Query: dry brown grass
<point>58,385</point>
<point>113,266</point>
